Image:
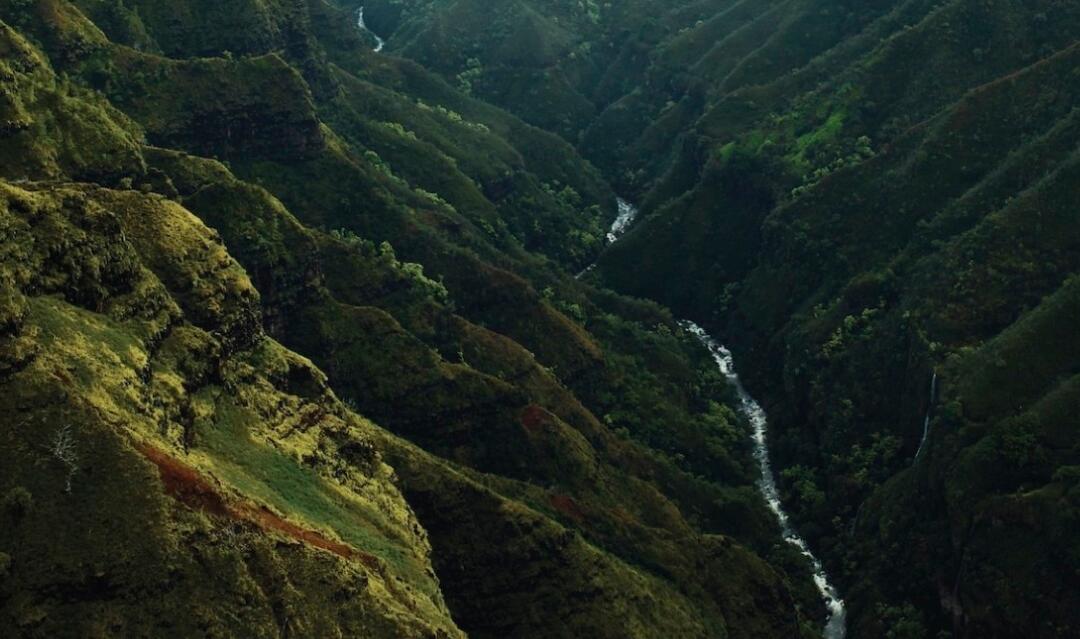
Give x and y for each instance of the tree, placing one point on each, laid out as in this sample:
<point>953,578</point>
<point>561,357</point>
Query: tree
<point>63,450</point>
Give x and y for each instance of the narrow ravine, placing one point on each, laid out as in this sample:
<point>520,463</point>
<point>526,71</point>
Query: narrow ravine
<point>379,42</point>
<point>836,625</point>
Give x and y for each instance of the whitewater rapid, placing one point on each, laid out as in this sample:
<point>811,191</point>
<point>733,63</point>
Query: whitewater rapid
<point>836,625</point>
<point>379,42</point>
<point>627,214</point>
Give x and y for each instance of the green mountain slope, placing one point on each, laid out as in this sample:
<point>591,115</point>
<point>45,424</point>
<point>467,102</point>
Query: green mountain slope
<point>172,470</point>
<point>411,242</point>
<point>318,300</point>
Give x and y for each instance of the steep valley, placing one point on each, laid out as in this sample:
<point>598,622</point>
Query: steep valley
<point>292,344</point>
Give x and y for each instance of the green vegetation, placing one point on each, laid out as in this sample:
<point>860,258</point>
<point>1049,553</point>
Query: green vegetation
<point>230,229</point>
<point>859,194</point>
<point>855,194</point>
<point>109,495</point>
<point>370,217</point>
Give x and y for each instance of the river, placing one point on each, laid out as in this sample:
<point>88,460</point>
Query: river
<point>625,217</point>
<point>379,42</point>
<point>836,625</point>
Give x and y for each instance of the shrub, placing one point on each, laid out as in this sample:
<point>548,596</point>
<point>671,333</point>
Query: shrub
<point>17,502</point>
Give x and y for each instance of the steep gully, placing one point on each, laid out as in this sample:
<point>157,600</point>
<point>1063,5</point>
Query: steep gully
<point>835,627</point>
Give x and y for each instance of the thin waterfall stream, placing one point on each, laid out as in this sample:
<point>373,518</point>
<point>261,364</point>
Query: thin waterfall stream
<point>836,624</point>
<point>929,414</point>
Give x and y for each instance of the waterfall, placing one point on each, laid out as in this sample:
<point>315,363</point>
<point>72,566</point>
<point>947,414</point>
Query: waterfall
<point>627,214</point>
<point>929,414</point>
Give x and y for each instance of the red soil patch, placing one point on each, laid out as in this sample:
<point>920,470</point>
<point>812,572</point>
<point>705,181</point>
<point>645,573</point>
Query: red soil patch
<point>567,506</point>
<point>265,519</point>
<point>192,488</point>
<point>185,484</point>
<point>533,418</point>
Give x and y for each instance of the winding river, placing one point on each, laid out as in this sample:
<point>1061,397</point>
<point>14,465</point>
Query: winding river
<point>836,625</point>
<point>379,42</point>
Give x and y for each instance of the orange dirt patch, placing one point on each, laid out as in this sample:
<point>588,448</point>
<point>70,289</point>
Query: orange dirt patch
<point>185,484</point>
<point>192,488</point>
<point>267,520</point>
<point>533,418</point>
<point>567,506</point>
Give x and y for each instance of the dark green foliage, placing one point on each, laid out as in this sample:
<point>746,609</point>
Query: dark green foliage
<point>855,194</point>
<point>896,202</point>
